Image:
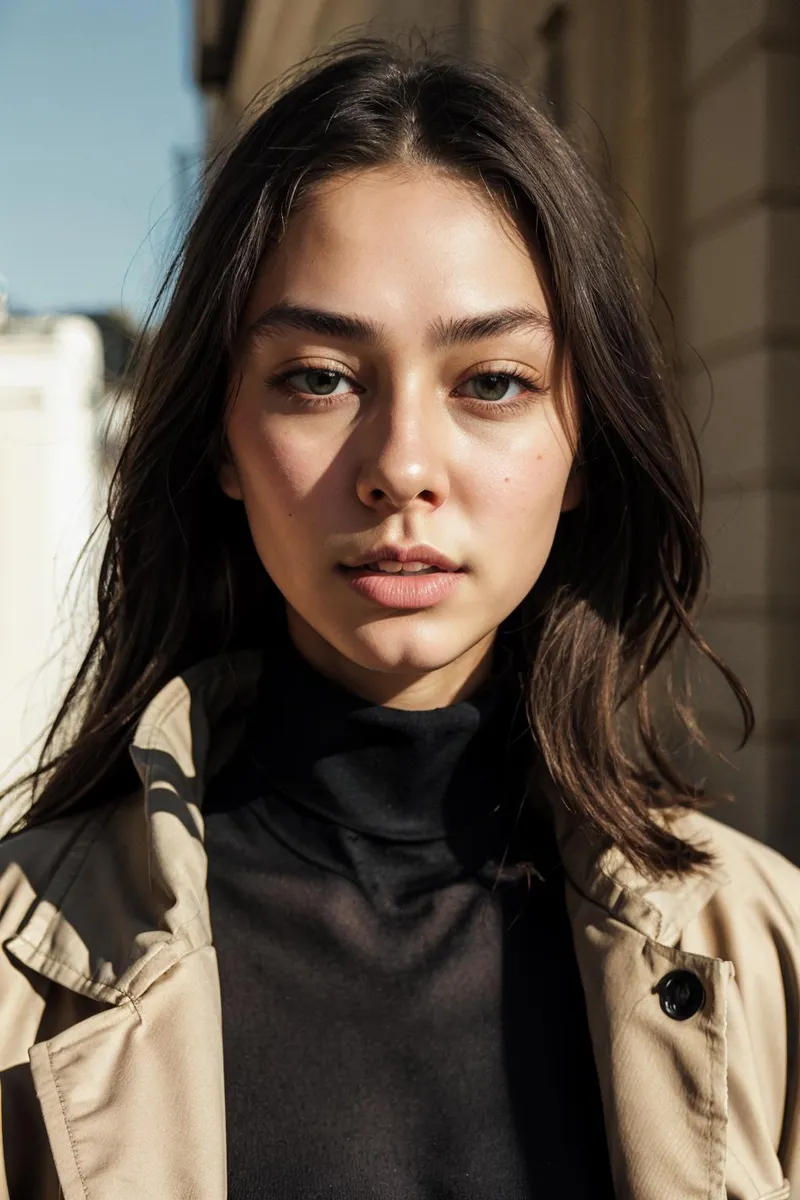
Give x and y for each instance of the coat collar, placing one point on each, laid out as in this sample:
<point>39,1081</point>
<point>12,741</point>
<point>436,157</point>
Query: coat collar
<point>146,954</point>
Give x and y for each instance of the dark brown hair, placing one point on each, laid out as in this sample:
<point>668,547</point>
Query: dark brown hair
<point>180,579</point>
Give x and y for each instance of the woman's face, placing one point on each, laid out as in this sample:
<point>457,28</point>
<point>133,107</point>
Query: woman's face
<point>403,424</point>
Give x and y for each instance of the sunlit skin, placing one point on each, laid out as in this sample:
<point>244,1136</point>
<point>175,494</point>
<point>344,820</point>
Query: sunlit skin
<point>410,441</point>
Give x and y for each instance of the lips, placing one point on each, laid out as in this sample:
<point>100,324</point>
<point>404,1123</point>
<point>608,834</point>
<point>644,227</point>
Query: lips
<point>392,567</point>
<point>429,555</point>
<point>416,590</point>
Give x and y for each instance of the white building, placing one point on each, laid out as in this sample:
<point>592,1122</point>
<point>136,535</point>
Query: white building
<point>51,386</point>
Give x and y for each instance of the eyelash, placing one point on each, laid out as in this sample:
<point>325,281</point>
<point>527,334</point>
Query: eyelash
<point>280,382</point>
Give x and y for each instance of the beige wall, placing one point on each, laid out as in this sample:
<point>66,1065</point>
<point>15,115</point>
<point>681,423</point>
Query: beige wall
<point>740,310</point>
<point>691,108</point>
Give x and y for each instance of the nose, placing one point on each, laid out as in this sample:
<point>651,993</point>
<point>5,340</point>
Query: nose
<point>403,453</point>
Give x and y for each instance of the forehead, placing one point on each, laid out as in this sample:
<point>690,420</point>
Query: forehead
<point>400,243</point>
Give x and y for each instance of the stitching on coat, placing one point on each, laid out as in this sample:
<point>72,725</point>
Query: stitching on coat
<point>767,1195</point>
<point>712,1142</point>
<point>80,1036</point>
<point>731,1151</point>
<point>67,1124</point>
<point>729,1148</point>
<point>709,1122</point>
<point>630,895</point>
<point>147,961</point>
<point>680,909</point>
<point>58,962</point>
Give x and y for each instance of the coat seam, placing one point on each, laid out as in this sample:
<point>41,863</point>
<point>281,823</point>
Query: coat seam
<point>90,980</point>
<point>146,962</point>
<point>710,1141</point>
<point>630,896</point>
<point>75,1035</point>
<point>72,1144</point>
<point>759,1195</point>
<point>724,1141</point>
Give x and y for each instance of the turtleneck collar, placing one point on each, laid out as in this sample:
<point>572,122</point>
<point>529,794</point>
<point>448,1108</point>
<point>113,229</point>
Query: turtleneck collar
<point>398,800</point>
<point>398,774</point>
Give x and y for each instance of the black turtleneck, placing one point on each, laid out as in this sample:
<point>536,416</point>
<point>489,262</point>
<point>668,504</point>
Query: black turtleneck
<point>402,1012</point>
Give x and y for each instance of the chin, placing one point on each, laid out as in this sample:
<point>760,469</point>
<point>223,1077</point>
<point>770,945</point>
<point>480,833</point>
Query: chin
<point>407,644</point>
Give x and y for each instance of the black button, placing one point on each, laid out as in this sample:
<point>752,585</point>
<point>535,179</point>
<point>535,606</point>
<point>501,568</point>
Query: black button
<point>681,994</point>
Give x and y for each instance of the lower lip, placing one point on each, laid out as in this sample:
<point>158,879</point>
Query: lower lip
<point>403,591</point>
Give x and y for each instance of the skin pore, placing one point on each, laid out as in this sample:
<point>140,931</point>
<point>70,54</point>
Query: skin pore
<point>407,437</point>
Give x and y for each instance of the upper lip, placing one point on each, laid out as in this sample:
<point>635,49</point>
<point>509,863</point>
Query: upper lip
<point>424,554</point>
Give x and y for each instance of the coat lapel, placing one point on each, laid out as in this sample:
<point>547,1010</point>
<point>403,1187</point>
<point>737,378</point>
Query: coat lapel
<point>133,1098</point>
<point>663,1080</point>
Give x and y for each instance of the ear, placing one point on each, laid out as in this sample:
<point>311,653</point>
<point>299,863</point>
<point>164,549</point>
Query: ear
<point>228,475</point>
<point>573,492</point>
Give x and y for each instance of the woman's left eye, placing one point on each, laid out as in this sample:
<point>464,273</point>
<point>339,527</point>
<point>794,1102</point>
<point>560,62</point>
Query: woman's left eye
<point>494,385</point>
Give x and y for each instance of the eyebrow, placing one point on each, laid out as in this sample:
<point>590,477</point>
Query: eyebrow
<point>440,334</point>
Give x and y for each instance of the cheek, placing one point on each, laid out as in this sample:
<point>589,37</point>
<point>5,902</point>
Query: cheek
<point>277,471</point>
<point>278,489</point>
<point>521,489</point>
<point>515,505</point>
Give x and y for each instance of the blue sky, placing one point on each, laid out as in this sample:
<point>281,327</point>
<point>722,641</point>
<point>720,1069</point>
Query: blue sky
<point>96,96</point>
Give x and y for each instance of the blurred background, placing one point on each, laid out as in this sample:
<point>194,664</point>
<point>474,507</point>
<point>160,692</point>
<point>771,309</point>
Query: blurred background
<point>690,110</point>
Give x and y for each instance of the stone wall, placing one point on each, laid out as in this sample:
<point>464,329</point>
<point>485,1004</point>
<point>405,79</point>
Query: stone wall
<point>740,312</point>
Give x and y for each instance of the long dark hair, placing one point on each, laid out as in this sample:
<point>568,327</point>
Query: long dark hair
<point>180,578</point>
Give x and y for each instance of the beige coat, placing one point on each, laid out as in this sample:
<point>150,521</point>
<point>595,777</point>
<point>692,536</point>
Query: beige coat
<point>110,1035</point>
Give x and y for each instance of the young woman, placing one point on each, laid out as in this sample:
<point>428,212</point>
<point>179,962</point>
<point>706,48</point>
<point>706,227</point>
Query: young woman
<point>356,866</point>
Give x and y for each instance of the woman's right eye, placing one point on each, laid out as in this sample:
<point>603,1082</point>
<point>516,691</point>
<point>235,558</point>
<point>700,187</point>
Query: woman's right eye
<point>316,384</point>
<point>321,381</point>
